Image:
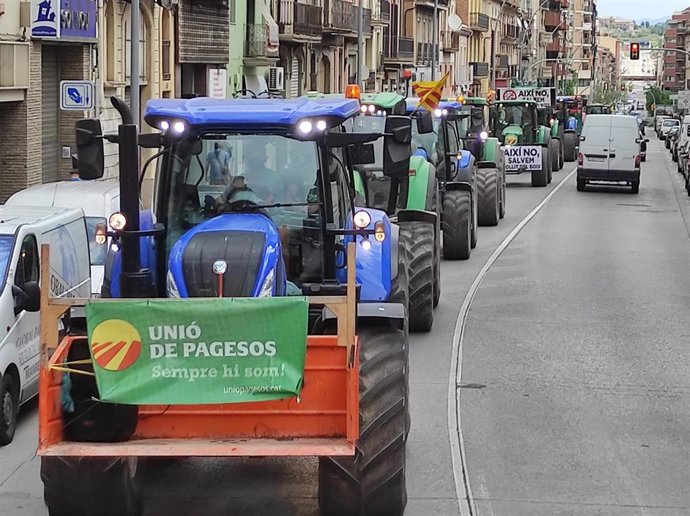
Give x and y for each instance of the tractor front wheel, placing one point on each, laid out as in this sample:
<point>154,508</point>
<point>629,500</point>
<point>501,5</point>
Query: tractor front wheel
<point>400,289</point>
<point>555,150</point>
<point>372,483</point>
<point>421,242</point>
<point>488,196</point>
<point>570,146</point>
<point>541,177</point>
<point>84,486</point>
<point>457,224</point>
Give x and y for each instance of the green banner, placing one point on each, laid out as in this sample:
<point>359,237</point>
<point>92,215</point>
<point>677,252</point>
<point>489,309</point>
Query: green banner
<point>172,352</point>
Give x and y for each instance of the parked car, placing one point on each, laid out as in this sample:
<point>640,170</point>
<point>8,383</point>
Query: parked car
<point>23,229</point>
<point>657,123</point>
<point>666,126</point>
<point>610,151</point>
<point>671,136</point>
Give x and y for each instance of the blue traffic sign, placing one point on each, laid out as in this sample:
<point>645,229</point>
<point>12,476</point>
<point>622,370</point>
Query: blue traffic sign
<point>77,95</point>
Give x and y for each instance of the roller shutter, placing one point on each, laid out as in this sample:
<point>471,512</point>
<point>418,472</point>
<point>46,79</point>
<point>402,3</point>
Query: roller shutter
<point>49,113</point>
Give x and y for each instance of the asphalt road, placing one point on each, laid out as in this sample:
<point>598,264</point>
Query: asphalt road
<point>573,365</point>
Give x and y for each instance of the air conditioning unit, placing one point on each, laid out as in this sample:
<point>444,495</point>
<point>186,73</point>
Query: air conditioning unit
<point>276,78</point>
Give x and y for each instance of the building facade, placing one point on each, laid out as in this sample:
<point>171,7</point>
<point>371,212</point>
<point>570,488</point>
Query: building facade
<point>675,64</point>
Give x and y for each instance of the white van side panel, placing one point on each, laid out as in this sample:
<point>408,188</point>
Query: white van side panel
<point>69,268</point>
<point>624,147</point>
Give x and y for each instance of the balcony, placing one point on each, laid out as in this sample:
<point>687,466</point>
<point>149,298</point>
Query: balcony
<point>442,4</point>
<point>258,50</point>
<point>425,51</point>
<point>451,41</point>
<point>479,22</point>
<point>297,21</point>
<point>502,62</point>
<point>383,14</point>
<point>14,70</point>
<point>510,33</point>
<point>399,50</point>
<point>551,20</point>
<point>480,69</point>
<point>341,18</point>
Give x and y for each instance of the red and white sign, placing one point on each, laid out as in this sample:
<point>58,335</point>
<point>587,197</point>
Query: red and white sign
<point>543,96</point>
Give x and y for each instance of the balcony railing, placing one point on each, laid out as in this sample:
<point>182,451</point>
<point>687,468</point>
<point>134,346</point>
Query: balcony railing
<point>502,62</point>
<point>480,69</point>
<point>385,11</point>
<point>342,17</point>
<point>479,22</point>
<point>551,20</point>
<point>451,41</point>
<point>425,51</point>
<point>257,42</point>
<point>511,32</point>
<point>299,19</point>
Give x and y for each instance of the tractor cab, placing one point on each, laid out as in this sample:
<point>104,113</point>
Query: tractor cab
<point>516,122</point>
<point>260,187</point>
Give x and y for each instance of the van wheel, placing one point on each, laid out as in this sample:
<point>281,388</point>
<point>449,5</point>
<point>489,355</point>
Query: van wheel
<point>9,408</point>
<point>635,187</point>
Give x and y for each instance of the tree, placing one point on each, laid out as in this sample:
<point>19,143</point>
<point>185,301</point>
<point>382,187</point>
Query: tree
<point>655,95</point>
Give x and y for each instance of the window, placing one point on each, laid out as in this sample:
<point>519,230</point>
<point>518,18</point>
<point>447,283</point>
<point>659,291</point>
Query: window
<point>27,264</point>
<point>143,38</point>
<point>6,242</point>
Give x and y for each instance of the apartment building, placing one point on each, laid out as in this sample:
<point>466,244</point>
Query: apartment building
<point>675,64</point>
<point>608,63</point>
<point>581,44</point>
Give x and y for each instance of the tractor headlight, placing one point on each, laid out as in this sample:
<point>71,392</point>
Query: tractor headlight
<point>179,127</point>
<point>321,125</point>
<point>438,113</point>
<point>483,135</point>
<point>267,286</point>
<point>371,108</point>
<point>164,125</point>
<point>366,243</point>
<point>117,221</point>
<point>362,219</point>
<point>305,127</point>
<point>171,286</point>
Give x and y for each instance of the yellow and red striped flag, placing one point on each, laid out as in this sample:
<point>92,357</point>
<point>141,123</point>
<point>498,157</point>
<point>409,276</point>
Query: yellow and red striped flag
<point>429,92</point>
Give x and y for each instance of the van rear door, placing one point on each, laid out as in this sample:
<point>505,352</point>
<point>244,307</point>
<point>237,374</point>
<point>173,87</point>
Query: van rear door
<point>595,147</point>
<point>623,146</point>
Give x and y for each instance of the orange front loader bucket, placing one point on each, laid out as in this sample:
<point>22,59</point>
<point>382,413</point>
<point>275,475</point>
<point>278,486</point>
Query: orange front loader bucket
<point>323,421</point>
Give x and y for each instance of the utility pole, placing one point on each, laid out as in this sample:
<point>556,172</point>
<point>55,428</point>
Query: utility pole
<point>135,20</point>
<point>435,44</point>
<point>360,44</point>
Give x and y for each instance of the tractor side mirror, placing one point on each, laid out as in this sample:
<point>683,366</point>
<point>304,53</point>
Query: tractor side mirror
<point>425,124</point>
<point>90,156</point>
<point>397,146</point>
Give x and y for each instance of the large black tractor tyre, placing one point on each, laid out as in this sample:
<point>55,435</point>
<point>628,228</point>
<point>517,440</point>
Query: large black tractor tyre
<point>555,151</point>
<point>502,206</point>
<point>435,207</point>
<point>562,154</point>
<point>488,196</point>
<point>92,486</point>
<point>420,270</point>
<point>457,225</point>
<point>570,146</point>
<point>541,177</point>
<point>9,407</point>
<point>372,483</point>
<point>474,234</point>
<point>400,290</point>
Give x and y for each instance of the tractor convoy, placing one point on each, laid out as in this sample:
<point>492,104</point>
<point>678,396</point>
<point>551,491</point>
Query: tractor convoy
<point>262,308</point>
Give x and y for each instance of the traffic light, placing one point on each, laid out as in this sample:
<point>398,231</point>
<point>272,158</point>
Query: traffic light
<point>634,51</point>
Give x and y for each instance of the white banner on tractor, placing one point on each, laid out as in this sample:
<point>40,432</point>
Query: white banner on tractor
<point>543,96</point>
<point>522,158</point>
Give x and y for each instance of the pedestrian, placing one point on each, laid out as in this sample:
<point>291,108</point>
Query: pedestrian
<point>74,175</point>
<point>218,165</point>
<point>572,122</point>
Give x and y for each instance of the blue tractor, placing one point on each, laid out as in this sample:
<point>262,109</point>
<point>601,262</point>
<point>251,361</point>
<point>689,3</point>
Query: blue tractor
<point>254,198</point>
<point>456,172</point>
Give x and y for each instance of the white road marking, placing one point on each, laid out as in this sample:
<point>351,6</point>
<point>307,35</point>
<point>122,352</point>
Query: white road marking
<point>463,489</point>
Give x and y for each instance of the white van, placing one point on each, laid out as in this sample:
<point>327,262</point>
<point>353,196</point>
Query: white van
<point>98,199</point>
<point>23,229</point>
<point>610,150</point>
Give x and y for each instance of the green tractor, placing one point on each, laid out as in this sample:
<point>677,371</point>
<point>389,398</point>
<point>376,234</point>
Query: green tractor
<point>549,118</point>
<point>570,111</point>
<point>526,143</point>
<point>486,149</point>
<point>411,201</point>
<point>456,172</point>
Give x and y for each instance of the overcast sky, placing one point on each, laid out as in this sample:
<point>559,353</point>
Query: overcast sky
<point>637,9</point>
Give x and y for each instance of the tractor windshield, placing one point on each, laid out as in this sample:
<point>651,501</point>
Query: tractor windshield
<point>271,174</point>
